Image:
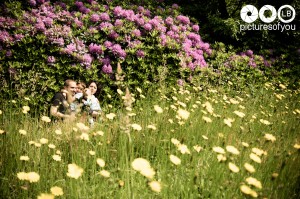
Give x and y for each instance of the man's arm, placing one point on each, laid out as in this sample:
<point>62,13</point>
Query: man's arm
<point>54,112</point>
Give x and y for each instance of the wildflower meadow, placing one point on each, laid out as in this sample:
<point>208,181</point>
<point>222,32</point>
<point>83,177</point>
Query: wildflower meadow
<point>183,142</point>
<point>181,118</point>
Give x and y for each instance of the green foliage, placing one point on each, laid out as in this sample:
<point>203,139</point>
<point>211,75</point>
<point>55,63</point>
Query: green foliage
<point>27,74</point>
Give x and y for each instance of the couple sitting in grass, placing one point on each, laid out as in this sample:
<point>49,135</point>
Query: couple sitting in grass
<point>74,99</point>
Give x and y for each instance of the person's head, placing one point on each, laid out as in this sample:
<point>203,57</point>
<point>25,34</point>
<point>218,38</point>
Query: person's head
<point>80,87</point>
<point>70,86</point>
<point>87,92</point>
<point>93,87</point>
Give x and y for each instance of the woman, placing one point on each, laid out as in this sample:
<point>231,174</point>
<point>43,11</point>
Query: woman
<point>93,90</point>
<point>93,87</point>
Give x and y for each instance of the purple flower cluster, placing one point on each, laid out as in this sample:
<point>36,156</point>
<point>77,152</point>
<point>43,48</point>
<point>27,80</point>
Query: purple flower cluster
<point>113,35</point>
<point>136,32</point>
<point>18,37</point>
<point>95,18</point>
<point>249,58</point>
<point>95,49</point>
<point>140,53</point>
<point>105,25</point>
<point>5,37</point>
<point>85,60</point>
<point>118,23</point>
<point>183,19</point>
<point>104,17</point>
<point>108,44</point>
<point>118,51</point>
<point>32,2</point>
<point>107,69</point>
<point>40,26</point>
<point>51,59</point>
<point>148,27</point>
<point>58,41</point>
<point>69,49</point>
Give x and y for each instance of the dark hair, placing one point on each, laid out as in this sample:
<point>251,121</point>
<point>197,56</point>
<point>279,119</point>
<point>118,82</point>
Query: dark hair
<point>98,87</point>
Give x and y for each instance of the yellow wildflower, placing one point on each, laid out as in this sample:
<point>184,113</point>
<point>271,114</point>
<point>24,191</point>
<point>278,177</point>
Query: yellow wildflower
<point>56,157</point>
<point>233,150</point>
<point>255,158</point>
<point>105,173</point>
<point>57,191</point>
<point>183,149</point>
<point>249,168</point>
<point>221,158</point>
<point>150,126</point>
<point>208,107</point>
<point>136,127</point>
<point>197,148</point>
<point>58,132</point>
<point>207,119</point>
<point>148,172</point>
<point>234,101</point>
<point>100,162</point>
<point>239,113</point>
<point>158,109</point>
<point>175,141</point>
<point>139,164</point>
<point>233,167</point>
<point>33,177</point>
<point>258,151</point>
<point>270,137</point>
<point>74,171</point>
<point>84,136</point>
<point>24,158</point>
<point>82,126</point>
<point>110,116</point>
<point>254,182</point>
<point>51,146</point>
<point>46,119</point>
<point>228,121</point>
<point>155,186</point>
<point>266,122</point>
<point>248,191</point>
<point>45,196</point>
<point>43,141</point>
<point>219,150</point>
<point>297,146</point>
<point>22,132</point>
<point>183,114</point>
<point>175,160</point>
<point>22,175</point>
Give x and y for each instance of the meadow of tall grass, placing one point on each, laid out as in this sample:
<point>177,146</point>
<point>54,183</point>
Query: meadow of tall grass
<point>176,142</point>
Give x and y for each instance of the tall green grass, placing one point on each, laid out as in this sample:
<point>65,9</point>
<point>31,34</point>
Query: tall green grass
<point>200,174</point>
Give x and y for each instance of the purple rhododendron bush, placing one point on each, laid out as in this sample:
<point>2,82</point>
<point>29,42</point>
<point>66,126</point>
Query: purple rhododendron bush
<point>51,42</point>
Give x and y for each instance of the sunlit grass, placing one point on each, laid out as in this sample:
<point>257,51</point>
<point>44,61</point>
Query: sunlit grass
<point>181,142</point>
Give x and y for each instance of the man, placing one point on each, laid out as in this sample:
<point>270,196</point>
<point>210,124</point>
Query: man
<point>62,100</point>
